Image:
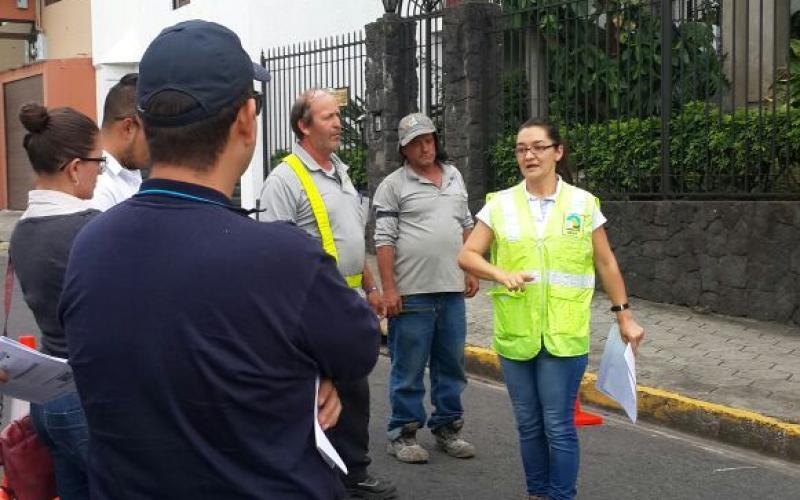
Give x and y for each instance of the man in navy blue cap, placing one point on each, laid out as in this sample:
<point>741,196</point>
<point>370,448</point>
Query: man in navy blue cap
<point>197,334</point>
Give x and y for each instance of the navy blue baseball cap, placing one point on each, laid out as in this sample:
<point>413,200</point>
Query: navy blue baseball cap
<point>200,59</point>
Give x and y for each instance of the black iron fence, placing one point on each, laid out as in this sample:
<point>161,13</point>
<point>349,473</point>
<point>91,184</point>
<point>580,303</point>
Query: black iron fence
<point>335,63</point>
<point>689,98</point>
<point>428,15</point>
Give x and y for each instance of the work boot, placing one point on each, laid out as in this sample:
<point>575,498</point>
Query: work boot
<point>372,488</point>
<point>448,437</point>
<point>405,447</point>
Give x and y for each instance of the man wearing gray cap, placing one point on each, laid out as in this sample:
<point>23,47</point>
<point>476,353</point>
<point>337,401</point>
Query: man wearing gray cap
<point>422,220</point>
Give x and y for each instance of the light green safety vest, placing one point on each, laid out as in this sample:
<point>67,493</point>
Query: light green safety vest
<point>320,214</point>
<point>555,307</point>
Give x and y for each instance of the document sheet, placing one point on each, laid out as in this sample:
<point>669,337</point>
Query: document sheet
<point>32,375</point>
<point>617,376</point>
<point>324,446</point>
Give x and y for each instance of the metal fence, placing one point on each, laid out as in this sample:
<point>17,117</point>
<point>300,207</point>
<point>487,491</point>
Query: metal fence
<point>335,63</point>
<point>715,116</point>
<point>428,15</point>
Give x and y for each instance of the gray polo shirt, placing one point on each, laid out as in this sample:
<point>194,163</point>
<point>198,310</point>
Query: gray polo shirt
<point>284,199</point>
<point>425,224</point>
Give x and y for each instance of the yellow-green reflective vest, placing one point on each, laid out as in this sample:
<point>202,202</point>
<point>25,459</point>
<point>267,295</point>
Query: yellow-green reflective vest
<point>555,307</point>
<point>320,215</point>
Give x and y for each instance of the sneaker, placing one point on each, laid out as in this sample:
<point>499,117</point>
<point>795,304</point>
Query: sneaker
<point>448,437</point>
<point>372,488</point>
<point>405,447</point>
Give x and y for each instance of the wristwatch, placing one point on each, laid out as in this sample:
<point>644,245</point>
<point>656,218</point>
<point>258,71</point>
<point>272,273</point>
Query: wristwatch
<point>620,307</point>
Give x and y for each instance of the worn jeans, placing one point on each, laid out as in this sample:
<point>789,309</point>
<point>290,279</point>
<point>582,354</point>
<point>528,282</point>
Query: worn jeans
<point>432,327</point>
<point>61,425</point>
<point>543,392</point>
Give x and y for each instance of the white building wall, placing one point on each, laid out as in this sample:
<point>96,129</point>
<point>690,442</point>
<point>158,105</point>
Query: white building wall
<point>122,29</point>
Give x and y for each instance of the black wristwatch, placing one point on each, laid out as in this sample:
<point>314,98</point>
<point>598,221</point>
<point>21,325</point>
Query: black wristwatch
<point>620,307</point>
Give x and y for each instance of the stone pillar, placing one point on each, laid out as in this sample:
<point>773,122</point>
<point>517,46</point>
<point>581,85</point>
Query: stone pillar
<point>755,42</point>
<point>392,89</point>
<point>472,61</point>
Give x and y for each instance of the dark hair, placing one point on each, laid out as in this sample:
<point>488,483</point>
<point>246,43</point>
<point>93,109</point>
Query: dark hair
<point>441,154</point>
<point>56,136</point>
<point>562,166</point>
<point>301,110</point>
<point>121,100</point>
<point>196,145</point>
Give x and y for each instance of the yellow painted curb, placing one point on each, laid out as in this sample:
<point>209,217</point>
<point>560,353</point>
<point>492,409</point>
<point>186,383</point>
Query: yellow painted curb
<point>731,425</point>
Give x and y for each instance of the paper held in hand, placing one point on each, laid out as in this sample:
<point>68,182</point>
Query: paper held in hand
<point>324,446</point>
<point>617,376</point>
<point>32,375</point>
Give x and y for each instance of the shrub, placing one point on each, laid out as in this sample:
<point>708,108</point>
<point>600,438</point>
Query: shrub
<point>746,151</point>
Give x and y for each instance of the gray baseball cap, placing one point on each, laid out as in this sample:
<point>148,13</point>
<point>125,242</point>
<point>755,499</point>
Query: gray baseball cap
<point>412,126</point>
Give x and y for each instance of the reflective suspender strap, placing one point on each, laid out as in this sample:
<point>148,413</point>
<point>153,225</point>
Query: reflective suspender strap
<point>320,214</point>
<point>354,280</point>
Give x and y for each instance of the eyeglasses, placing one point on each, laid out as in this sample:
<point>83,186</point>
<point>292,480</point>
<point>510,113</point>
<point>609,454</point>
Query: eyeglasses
<point>259,98</point>
<point>536,149</point>
<point>101,162</point>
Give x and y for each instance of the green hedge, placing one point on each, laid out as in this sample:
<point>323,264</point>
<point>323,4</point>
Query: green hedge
<point>711,152</point>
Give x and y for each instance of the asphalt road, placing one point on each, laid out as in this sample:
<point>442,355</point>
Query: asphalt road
<point>620,461</point>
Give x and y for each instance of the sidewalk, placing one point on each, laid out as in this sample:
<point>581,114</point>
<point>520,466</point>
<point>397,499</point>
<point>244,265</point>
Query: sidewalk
<point>734,379</point>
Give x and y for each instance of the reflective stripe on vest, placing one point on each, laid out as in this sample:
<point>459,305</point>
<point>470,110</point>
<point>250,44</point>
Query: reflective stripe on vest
<point>320,214</point>
<point>554,309</point>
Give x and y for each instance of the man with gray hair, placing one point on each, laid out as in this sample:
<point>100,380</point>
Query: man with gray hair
<point>422,220</point>
<point>311,189</point>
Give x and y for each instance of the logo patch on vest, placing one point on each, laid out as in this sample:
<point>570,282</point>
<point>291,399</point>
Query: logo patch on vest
<point>573,224</point>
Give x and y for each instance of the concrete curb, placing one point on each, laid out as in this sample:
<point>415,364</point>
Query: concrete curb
<point>709,420</point>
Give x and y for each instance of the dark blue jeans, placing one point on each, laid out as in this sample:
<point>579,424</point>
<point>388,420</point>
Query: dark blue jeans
<point>543,392</point>
<point>432,327</point>
<point>61,425</point>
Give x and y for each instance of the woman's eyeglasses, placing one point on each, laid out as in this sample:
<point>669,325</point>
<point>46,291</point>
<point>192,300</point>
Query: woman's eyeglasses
<point>536,149</point>
<point>101,162</point>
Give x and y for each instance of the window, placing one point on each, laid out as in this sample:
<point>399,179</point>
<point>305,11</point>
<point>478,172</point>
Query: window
<point>176,4</point>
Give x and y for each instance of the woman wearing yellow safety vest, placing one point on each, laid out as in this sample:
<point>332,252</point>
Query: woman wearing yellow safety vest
<point>546,239</point>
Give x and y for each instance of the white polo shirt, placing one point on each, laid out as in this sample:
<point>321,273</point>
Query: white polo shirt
<point>114,185</point>
<point>540,211</point>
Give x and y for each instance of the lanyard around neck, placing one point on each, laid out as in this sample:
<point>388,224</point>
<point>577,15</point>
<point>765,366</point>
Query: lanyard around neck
<point>185,196</point>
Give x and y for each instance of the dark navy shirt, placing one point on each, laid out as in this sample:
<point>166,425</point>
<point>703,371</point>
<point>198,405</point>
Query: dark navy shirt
<point>196,335</point>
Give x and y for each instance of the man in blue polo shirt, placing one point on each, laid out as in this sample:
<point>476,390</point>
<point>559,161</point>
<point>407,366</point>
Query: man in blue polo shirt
<point>197,334</point>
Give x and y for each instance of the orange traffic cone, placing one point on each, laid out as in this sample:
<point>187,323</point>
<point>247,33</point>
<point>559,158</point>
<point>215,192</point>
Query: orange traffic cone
<point>583,418</point>
<point>27,340</point>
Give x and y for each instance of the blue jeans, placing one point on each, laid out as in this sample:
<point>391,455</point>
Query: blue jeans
<point>61,425</point>
<point>543,391</point>
<point>433,327</point>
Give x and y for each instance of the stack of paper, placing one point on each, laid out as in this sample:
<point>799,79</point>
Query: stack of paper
<point>617,376</point>
<point>33,376</point>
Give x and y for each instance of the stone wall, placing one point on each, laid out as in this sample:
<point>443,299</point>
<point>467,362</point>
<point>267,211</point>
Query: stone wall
<point>735,258</point>
<point>473,57</point>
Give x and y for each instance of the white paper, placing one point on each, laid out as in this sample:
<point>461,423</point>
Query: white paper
<point>324,446</point>
<point>33,376</point>
<point>617,376</point>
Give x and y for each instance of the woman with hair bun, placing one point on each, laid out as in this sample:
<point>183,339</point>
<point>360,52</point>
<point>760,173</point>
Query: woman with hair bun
<point>64,149</point>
